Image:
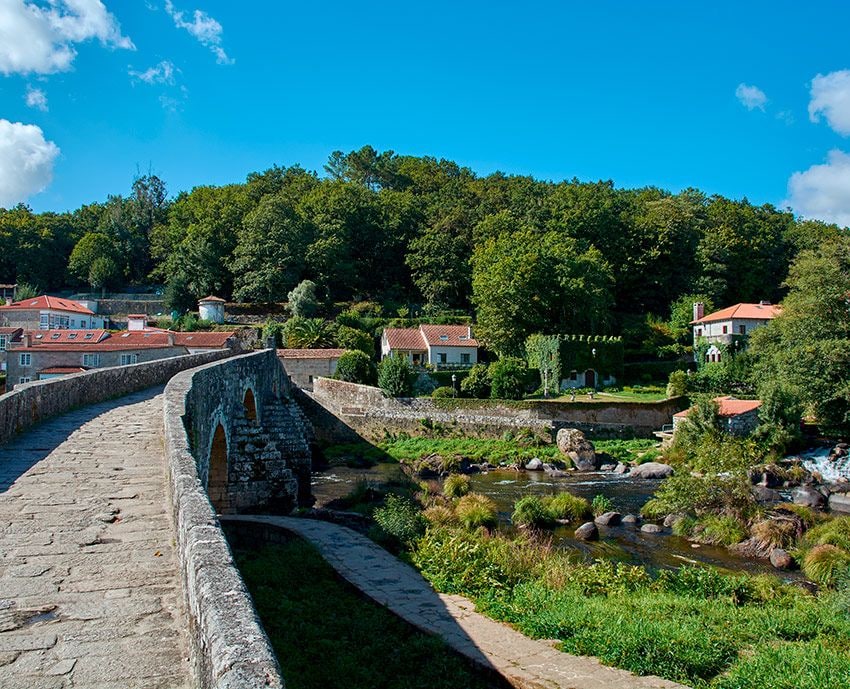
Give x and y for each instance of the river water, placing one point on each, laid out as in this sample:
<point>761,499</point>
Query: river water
<point>620,543</point>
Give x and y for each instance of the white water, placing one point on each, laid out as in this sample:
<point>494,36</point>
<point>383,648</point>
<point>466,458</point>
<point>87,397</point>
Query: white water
<point>818,460</point>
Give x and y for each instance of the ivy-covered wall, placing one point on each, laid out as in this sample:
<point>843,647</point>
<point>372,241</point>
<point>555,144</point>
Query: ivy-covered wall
<point>560,354</point>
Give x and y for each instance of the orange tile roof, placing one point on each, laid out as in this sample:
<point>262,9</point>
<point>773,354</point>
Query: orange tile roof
<point>728,406</point>
<point>47,302</point>
<point>455,335</point>
<point>203,339</point>
<point>103,341</point>
<point>212,298</point>
<point>408,339</point>
<point>51,337</point>
<point>311,353</point>
<point>63,369</point>
<point>749,311</point>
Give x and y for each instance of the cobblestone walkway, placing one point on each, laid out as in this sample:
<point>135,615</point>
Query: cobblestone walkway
<point>526,663</point>
<point>89,588</point>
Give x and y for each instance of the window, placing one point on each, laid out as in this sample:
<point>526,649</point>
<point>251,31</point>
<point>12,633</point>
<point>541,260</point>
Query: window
<point>464,358</point>
<point>24,379</point>
<point>573,375</point>
<point>442,357</point>
<point>91,360</point>
<point>55,336</point>
<point>127,359</point>
<point>44,322</point>
<point>26,360</point>
<point>89,336</point>
<point>2,342</point>
<point>444,338</point>
<point>699,332</point>
<point>725,329</point>
<point>742,329</point>
<point>72,336</point>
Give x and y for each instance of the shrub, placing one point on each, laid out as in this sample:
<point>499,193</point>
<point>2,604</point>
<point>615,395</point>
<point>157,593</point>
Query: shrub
<point>396,376</point>
<point>477,382</point>
<point>308,333</point>
<point>778,533</point>
<point>274,329</point>
<point>683,493</point>
<point>507,376</point>
<point>456,561</point>
<point>826,564</point>
<point>400,519</point>
<point>456,486</point>
<point>354,339</point>
<point>720,530</point>
<point>443,393</point>
<point>474,510</point>
<point>601,505</point>
<point>684,526</point>
<point>356,367</point>
<point>531,511</point>
<point>440,515</point>
<point>834,532</point>
<point>302,299</point>
<point>677,384</point>
<point>566,506</point>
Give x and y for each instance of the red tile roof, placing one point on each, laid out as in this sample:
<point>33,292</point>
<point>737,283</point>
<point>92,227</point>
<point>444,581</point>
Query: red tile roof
<point>102,341</point>
<point>10,331</point>
<point>211,298</point>
<point>47,302</point>
<point>729,406</point>
<point>407,339</point>
<point>215,340</point>
<point>448,336</point>
<point>63,369</point>
<point>50,337</point>
<point>749,311</point>
<point>311,353</point>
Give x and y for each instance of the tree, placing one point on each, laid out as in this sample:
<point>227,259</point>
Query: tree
<point>308,333</point>
<point>302,300</point>
<point>396,376</point>
<point>356,367</point>
<point>95,259</point>
<point>477,382</point>
<point>507,376</point>
<point>354,339</point>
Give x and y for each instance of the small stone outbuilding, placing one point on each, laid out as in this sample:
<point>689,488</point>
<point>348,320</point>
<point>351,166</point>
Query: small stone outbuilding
<point>740,417</point>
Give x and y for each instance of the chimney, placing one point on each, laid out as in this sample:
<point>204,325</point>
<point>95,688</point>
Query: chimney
<point>764,303</point>
<point>699,310</point>
<point>170,336</point>
<point>27,339</point>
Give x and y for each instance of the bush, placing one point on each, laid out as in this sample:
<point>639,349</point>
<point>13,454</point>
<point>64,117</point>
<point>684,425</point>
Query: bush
<point>531,511</point>
<point>440,515</point>
<point>474,510</point>
<point>834,532</point>
<point>400,519</point>
<point>443,393</point>
<point>477,382</point>
<point>686,494</point>
<point>826,564</point>
<point>356,367</point>
<point>720,530</point>
<point>456,486</point>
<point>601,505</point>
<point>302,299</point>
<point>507,376</point>
<point>566,506</point>
<point>274,329</point>
<point>677,384</point>
<point>396,376</point>
<point>777,533</point>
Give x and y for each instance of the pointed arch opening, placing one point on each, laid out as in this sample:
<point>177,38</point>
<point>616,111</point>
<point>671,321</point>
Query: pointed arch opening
<point>217,482</point>
<point>250,405</point>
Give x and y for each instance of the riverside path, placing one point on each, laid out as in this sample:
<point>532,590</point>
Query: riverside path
<point>89,588</point>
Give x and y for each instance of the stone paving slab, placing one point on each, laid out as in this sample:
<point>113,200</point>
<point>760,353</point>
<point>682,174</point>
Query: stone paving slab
<point>524,662</point>
<point>90,595</point>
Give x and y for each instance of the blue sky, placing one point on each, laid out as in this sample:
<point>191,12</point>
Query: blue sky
<point>716,95</point>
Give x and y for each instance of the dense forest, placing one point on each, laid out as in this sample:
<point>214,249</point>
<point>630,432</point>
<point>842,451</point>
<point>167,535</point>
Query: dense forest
<point>423,235</point>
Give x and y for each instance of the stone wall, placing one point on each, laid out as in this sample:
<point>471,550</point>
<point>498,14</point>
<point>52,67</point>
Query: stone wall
<point>341,412</point>
<point>230,649</point>
<point>32,402</point>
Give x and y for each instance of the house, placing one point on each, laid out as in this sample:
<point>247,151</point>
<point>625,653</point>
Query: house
<point>303,365</point>
<point>41,354</point>
<point>739,417</point>
<point>50,313</point>
<point>441,346</point>
<point>7,336</point>
<point>721,328</point>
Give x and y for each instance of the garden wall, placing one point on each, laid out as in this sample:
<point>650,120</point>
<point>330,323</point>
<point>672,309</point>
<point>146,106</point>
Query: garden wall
<point>341,412</point>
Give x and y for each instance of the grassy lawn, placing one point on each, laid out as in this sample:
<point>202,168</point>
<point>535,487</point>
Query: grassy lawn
<point>327,637</point>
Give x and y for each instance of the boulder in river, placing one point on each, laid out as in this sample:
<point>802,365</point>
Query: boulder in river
<point>765,495</point>
<point>631,520</point>
<point>609,519</point>
<point>808,497</point>
<point>780,559</point>
<point>652,470</point>
<point>534,465</point>
<point>587,532</point>
<point>651,528</point>
<point>573,444</point>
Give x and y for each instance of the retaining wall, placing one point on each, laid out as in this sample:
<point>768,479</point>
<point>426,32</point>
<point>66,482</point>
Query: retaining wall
<point>32,402</point>
<point>229,650</point>
<point>341,412</point>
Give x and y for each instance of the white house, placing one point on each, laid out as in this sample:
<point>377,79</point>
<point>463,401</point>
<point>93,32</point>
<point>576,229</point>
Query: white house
<point>721,326</point>
<point>441,346</point>
<point>50,313</point>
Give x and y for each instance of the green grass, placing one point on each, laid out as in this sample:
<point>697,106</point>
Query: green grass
<point>635,450</point>
<point>473,449</point>
<point>328,637</point>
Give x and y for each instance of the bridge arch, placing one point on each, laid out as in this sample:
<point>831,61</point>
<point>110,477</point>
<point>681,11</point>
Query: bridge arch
<point>249,403</point>
<point>217,473</point>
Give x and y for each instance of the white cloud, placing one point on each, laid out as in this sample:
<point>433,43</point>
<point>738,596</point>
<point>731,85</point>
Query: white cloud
<point>823,191</point>
<point>751,97</point>
<point>36,98</point>
<point>40,39</point>
<point>26,162</point>
<point>162,73</point>
<point>204,28</point>
<point>831,98</point>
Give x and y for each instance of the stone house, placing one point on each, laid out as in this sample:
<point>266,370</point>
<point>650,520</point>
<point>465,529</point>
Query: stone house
<point>440,346</point>
<point>7,336</point>
<point>739,417</point>
<point>50,313</point>
<point>41,354</point>
<point>303,365</point>
<point>722,327</point>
